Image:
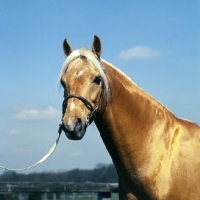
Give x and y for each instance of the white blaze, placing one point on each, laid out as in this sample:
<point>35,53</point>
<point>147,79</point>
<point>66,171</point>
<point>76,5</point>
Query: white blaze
<point>79,74</point>
<point>72,106</point>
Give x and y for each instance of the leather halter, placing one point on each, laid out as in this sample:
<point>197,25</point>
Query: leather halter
<point>93,110</point>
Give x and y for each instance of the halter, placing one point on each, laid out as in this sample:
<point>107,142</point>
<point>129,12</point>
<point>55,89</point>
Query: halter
<point>93,110</point>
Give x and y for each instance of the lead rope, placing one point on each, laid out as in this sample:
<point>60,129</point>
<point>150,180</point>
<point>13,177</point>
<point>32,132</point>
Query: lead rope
<point>41,160</point>
<point>88,122</point>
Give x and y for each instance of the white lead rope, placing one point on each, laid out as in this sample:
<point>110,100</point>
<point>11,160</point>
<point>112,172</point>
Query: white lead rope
<point>40,161</point>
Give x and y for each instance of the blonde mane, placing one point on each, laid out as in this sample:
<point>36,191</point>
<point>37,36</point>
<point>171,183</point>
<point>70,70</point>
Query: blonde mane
<point>91,58</point>
<point>129,86</point>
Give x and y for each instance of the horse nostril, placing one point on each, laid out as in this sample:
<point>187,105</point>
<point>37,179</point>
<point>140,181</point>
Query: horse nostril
<point>78,125</point>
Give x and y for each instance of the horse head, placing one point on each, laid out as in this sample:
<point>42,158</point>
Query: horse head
<point>83,79</point>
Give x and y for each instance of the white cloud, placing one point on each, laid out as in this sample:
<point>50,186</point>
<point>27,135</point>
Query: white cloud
<point>22,150</point>
<point>139,52</point>
<point>13,132</point>
<point>38,114</point>
<point>77,153</point>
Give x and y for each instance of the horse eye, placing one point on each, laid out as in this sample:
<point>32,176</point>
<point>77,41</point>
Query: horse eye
<point>97,80</point>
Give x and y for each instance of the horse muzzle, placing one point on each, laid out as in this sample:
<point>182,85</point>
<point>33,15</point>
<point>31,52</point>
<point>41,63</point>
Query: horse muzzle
<point>74,131</point>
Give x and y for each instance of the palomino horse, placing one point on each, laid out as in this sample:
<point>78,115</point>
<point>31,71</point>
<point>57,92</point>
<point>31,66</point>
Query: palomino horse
<point>157,155</point>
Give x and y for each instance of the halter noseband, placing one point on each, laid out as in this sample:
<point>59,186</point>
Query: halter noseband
<point>93,110</point>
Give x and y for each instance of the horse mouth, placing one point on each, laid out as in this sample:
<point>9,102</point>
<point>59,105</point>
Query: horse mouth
<point>74,135</point>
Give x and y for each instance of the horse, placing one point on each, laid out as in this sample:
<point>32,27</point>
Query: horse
<point>156,154</point>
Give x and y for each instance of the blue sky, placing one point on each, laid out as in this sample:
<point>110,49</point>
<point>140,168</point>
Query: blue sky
<point>156,43</point>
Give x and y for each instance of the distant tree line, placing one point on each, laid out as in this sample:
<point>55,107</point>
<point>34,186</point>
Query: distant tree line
<point>100,174</point>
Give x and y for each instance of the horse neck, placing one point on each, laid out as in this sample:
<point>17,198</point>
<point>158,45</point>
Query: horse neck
<point>128,101</point>
<point>128,118</point>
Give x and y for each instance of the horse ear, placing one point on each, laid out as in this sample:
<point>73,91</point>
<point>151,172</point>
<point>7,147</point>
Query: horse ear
<point>67,48</point>
<point>96,46</point>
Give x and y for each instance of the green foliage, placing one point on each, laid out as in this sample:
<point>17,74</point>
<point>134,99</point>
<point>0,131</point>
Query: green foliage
<point>8,196</point>
<point>101,174</point>
<point>34,196</point>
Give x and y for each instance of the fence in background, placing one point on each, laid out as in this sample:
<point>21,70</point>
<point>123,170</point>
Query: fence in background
<point>58,191</point>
